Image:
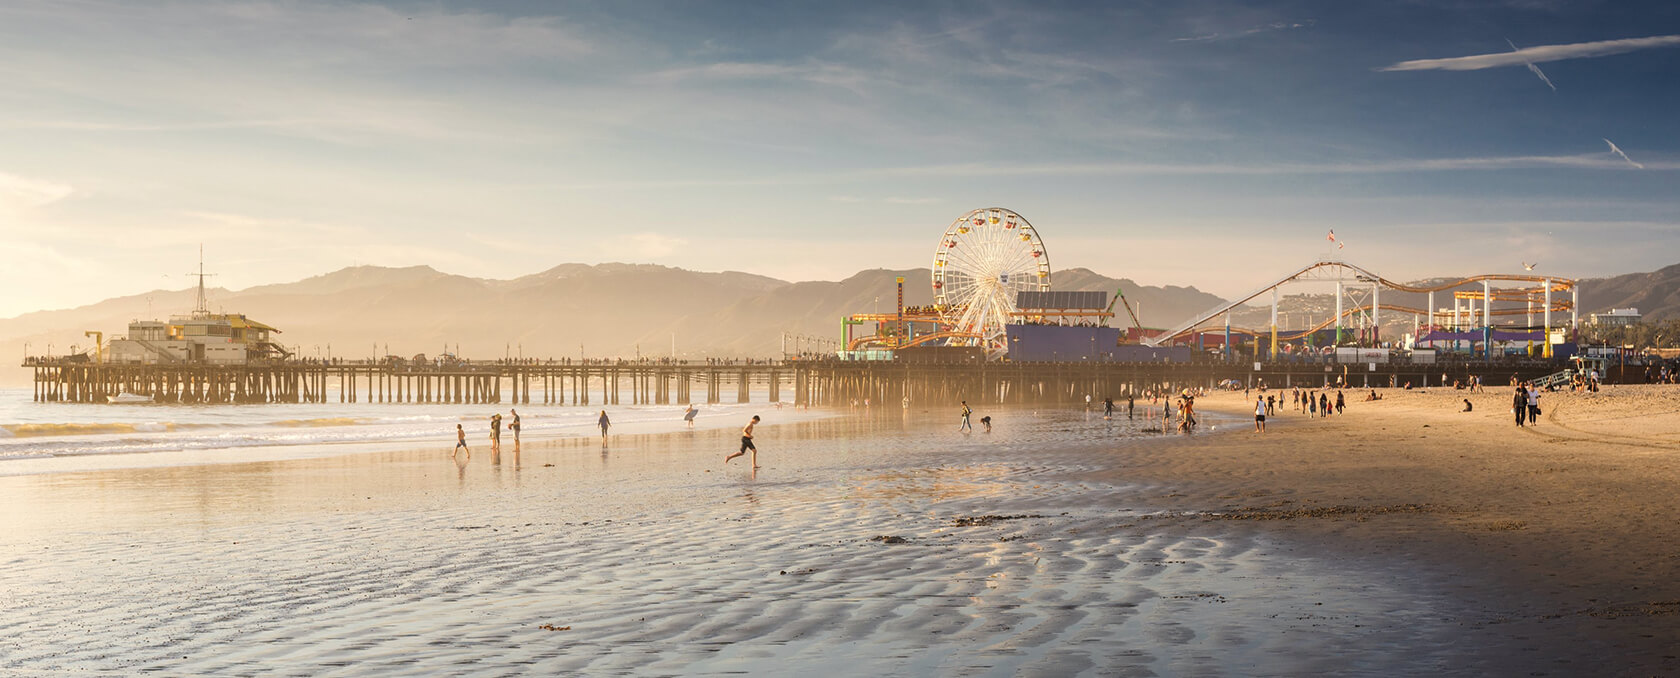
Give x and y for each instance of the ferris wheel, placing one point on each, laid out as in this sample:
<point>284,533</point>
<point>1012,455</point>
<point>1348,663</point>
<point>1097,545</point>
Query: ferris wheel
<point>984,258</point>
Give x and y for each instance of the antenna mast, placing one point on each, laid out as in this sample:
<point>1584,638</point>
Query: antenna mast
<point>203,308</point>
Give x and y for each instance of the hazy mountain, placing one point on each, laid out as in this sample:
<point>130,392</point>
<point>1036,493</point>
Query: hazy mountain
<point>598,310</point>
<point>1655,294</point>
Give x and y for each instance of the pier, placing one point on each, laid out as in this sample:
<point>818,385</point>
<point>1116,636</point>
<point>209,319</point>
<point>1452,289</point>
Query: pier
<point>799,382</point>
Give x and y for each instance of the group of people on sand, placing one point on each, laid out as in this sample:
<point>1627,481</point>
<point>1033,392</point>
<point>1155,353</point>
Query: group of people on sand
<point>1311,403</point>
<point>1525,403</point>
<point>605,423</point>
<point>495,433</point>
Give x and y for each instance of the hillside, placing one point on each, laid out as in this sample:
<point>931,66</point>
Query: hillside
<point>568,310</point>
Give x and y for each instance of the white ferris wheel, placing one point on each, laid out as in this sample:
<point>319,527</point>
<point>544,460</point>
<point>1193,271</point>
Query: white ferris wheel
<point>984,258</point>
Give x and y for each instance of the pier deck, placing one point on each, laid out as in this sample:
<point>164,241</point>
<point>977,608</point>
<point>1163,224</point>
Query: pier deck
<point>819,382</point>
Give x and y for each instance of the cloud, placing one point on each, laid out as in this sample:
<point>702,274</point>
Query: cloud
<point>22,193</point>
<point>643,245</point>
<point>1266,28</point>
<point>1538,54</point>
<point>1533,68</point>
<point>1619,152</point>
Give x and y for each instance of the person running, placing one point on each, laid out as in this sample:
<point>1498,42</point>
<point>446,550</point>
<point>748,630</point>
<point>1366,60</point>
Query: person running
<point>460,440</point>
<point>605,423</point>
<point>747,443</point>
<point>689,414</point>
<point>1108,408</point>
<point>965,414</point>
<point>1259,414</point>
<point>1519,405</point>
<point>515,425</point>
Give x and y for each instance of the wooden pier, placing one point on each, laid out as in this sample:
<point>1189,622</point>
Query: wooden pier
<point>820,383</point>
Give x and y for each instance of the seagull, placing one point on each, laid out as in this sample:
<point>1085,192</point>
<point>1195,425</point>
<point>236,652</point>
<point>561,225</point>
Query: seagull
<point>1529,267</point>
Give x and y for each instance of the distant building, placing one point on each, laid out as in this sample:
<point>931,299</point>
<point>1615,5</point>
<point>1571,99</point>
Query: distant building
<point>211,338</point>
<point>1617,317</point>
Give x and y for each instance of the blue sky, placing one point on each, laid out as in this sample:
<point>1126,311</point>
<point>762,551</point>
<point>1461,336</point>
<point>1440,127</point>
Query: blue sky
<point>1191,143</point>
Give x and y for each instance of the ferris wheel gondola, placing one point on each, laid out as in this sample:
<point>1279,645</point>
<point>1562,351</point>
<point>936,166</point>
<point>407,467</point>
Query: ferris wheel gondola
<point>983,260</point>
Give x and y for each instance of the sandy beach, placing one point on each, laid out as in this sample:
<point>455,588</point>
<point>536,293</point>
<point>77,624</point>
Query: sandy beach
<point>1402,538</point>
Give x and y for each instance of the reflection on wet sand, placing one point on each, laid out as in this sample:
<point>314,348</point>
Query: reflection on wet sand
<point>867,545</point>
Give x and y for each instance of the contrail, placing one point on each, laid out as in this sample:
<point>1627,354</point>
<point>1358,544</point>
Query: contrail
<point>1538,54</point>
<point>1619,152</point>
<point>1531,67</point>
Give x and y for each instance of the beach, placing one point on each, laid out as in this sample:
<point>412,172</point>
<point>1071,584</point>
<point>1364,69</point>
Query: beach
<point>1401,538</point>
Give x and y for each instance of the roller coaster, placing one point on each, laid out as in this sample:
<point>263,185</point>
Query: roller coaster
<point>1531,290</point>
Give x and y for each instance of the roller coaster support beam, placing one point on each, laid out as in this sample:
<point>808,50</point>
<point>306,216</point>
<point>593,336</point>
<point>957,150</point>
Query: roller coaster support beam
<point>1546,342</point>
<point>1274,322</point>
<point>1227,347</point>
<point>1338,340</point>
<point>1376,307</point>
<point>1487,321</point>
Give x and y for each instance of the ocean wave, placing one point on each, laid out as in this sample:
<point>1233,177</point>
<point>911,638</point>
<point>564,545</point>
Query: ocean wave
<point>45,430</point>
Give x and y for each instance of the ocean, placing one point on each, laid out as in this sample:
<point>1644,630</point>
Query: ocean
<point>114,436</point>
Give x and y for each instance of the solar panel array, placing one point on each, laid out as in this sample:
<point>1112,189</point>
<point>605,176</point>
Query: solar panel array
<point>1095,301</point>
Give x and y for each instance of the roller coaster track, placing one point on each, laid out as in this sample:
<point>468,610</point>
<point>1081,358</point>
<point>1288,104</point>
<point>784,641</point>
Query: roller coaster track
<point>918,341</point>
<point>1297,334</point>
<point>1363,275</point>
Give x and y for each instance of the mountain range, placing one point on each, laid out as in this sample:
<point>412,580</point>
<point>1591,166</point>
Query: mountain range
<point>624,310</point>
<point>604,310</point>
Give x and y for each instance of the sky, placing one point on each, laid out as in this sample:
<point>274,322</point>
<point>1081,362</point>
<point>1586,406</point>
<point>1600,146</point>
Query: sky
<point>1212,144</point>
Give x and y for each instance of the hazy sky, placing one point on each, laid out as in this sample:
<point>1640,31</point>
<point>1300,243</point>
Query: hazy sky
<point>1192,143</point>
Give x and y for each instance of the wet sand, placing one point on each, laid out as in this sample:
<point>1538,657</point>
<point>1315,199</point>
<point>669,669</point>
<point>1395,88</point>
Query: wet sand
<point>869,545</point>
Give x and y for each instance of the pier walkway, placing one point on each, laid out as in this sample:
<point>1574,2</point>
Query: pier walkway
<point>801,382</point>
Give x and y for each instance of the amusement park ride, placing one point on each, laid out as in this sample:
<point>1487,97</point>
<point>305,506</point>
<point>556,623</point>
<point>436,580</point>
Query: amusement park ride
<point>991,272</point>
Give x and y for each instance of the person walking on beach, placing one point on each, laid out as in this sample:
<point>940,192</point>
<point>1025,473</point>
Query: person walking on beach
<point>1324,404</point>
<point>1259,414</point>
<point>1533,405</point>
<point>966,412</point>
<point>1519,405</point>
<point>514,426</point>
<point>747,443</point>
<point>1108,408</point>
<point>688,415</point>
<point>605,423</point>
<point>1271,401</point>
<point>1310,405</point>
<point>460,441</point>
<point>1131,405</point>
<point>1340,402</point>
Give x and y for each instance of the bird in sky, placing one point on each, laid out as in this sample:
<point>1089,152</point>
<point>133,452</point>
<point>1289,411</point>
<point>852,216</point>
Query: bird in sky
<point>1529,267</point>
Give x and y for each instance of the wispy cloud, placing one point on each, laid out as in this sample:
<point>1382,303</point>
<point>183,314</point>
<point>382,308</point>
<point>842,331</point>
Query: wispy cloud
<point>22,193</point>
<point>1266,28</point>
<point>1533,68</point>
<point>1537,54</point>
<point>1618,151</point>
